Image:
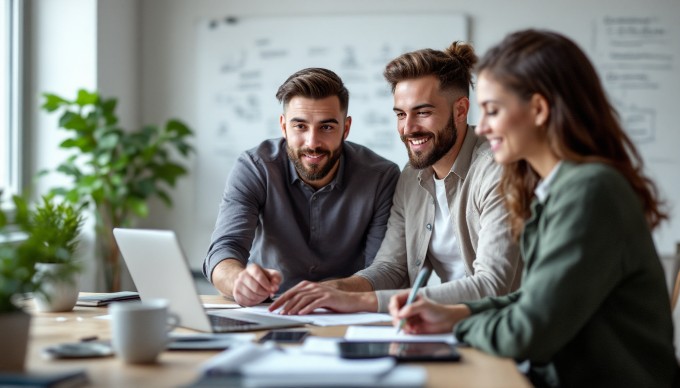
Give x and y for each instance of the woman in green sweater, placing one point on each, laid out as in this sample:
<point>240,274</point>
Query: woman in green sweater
<point>593,309</point>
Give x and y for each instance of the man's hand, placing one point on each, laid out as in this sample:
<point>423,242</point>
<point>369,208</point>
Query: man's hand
<point>424,316</point>
<point>254,284</point>
<point>307,296</point>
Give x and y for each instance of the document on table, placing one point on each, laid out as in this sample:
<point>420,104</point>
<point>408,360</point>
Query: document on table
<point>266,366</point>
<point>323,317</point>
<point>207,341</point>
<point>321,345</point>
<point>213,306</point>
<point>389,333</point>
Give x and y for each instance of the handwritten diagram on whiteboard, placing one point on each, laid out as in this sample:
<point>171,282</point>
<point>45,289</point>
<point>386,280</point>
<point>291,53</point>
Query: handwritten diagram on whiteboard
<point>637,59</point>
<point>242,62</point>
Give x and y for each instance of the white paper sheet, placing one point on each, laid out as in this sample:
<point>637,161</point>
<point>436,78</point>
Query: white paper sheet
<point>267,366</point>
<point>207,341</point>
<point>204,336</point>
<point>321,345</point>
<point>221,306</point>
<point>389,333</point>
<point>323,317</point>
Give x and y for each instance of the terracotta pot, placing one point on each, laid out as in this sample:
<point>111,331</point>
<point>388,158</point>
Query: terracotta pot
<point>14,328</point>
<point>59,295</point>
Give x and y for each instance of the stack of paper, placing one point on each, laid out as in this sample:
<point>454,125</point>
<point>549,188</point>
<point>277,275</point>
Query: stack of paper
<point>268,366</point>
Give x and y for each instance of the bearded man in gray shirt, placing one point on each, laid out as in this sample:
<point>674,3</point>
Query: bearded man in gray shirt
<point>448,213</point>
<point>307,206</point>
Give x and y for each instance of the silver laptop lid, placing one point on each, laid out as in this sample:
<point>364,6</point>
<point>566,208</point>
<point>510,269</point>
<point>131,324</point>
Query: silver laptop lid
<point>157,266</point>
<point>159,270</point>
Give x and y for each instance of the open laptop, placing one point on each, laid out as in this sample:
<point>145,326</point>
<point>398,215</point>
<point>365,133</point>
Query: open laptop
<point>158,268</point>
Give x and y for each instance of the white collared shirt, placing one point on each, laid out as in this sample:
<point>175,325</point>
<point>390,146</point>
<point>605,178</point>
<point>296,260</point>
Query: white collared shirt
<point>444,251</point>
<point>543,187</point>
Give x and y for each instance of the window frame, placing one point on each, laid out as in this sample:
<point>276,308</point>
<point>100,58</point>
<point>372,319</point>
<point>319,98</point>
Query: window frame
<point>14,95</point>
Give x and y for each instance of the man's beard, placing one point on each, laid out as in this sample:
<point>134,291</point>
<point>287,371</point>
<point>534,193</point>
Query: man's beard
<point>444,140</point>
<point>315,171</point>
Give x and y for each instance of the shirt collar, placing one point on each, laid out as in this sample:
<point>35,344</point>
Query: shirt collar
<point>543,188</point>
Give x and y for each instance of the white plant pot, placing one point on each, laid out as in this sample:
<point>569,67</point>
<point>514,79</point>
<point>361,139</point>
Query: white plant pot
<point>14,329</point>
<point>59,295</point>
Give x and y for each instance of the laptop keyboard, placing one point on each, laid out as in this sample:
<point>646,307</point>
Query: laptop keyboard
<point>220,323</point>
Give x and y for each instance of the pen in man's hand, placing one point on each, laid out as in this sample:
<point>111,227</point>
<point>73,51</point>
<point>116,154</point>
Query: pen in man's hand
<point>421,279</point>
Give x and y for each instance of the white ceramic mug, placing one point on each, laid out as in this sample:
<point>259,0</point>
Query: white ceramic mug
<point>139,330</point>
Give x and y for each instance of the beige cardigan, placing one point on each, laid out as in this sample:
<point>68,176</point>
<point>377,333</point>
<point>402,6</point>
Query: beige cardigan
<point>492,261</point>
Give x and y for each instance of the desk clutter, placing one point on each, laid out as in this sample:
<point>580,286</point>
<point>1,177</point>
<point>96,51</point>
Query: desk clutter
<point>81,340</point>
<point>318,362</point>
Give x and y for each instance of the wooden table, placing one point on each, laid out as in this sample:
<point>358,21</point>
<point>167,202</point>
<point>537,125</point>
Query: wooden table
<point>179,368</point>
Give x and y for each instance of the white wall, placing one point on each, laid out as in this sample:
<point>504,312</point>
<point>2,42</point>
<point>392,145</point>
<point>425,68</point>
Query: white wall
<point>119,58</point>
<point>61,48</point>
<point>169,67</point>
<point>74,44</point>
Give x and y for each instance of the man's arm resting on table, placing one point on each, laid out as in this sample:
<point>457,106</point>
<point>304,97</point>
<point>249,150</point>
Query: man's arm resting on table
<point>362,293</point>
<point>352,283</point>
<point>353,294</point>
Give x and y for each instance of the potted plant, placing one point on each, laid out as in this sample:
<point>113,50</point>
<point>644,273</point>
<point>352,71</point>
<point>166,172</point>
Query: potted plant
<point>53,240</point>
<point>17,267</point>
<point>113,170</point>
<point>45,236</point>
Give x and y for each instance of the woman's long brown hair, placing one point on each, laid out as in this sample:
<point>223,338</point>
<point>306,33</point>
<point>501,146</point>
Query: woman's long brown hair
<point>583,126</point>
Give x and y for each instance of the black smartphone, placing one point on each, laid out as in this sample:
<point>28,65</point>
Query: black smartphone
<point>285,336</point>
<point>402,351</point>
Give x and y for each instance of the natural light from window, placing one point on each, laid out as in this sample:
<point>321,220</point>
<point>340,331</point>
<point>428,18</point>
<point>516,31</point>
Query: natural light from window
<point>10,96</point>
<point>4,96</point>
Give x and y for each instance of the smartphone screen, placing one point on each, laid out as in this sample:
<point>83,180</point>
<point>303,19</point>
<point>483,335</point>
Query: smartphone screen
<point>402,351</point>
<point>285,336</point>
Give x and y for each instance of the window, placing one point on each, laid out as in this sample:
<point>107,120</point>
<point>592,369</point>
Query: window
<point>4,70</point>
<point>10,108</point>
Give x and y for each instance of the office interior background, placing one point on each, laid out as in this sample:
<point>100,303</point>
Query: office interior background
<point>144,52</point>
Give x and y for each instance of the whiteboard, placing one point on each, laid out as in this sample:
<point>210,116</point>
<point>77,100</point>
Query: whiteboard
<point>636,56</point>
<point>243,61</point>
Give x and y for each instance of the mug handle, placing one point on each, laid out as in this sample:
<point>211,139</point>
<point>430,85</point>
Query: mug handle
<point>173,321</point>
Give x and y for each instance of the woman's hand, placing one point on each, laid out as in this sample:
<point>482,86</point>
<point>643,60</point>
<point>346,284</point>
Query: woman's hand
<point>424,316</point>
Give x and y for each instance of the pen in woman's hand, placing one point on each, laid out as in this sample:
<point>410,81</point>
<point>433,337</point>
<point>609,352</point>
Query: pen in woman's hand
<point>421,279</point>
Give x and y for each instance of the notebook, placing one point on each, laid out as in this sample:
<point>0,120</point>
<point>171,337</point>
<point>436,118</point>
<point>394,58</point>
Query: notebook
<point>159,270</point>
<point>104,299</point>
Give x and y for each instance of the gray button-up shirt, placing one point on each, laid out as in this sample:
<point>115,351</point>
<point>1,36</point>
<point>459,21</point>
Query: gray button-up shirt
<point>269,216</point>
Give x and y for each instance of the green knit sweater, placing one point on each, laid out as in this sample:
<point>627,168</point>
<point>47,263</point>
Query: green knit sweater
<point>593,308</point>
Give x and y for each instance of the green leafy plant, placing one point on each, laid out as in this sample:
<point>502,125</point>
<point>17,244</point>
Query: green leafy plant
<point>17,266</point>
<point>54,236</point>
<point>113,170</point>
<point>47,233</point>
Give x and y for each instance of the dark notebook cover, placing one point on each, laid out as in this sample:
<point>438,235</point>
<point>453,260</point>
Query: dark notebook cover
<point>98,300</point>
<point>68,379</point>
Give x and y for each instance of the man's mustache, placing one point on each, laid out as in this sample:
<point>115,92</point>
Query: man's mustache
<point>315,151</point>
